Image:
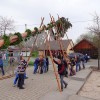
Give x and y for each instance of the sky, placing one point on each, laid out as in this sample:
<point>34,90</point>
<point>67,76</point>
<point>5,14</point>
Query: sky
<point>79,13</point>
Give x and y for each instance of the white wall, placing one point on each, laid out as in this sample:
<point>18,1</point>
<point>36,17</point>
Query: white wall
<point>24,53</point>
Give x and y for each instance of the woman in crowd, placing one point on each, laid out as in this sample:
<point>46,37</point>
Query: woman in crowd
<point>22,60</point>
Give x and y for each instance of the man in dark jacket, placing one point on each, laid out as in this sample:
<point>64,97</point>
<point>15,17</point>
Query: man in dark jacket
<point>61,72</point>
<point>47,63</point>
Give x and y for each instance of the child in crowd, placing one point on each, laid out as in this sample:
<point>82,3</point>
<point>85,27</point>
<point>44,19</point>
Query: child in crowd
<point>22,60</point>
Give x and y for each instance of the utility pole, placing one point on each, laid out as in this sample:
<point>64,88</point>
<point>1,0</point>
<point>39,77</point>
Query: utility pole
<point>26,41</point>
<point>25,27</point>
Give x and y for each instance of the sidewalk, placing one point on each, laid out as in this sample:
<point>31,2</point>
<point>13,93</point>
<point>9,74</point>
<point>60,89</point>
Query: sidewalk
<point>44,87</point>
<point>74,85</point>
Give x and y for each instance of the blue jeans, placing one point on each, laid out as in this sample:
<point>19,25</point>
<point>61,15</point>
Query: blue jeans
<point>83,64</point>
<point>77,67</point>
<point>35,68</point>
<point>16,78</point>
<point>62,81</point>
<point>45,67</point>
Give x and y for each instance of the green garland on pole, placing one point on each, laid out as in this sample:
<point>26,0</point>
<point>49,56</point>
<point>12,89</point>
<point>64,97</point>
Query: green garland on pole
<point>36,30</point>
<point>20,39</point>
<point>29,33</point>
<point>62,25</point>
<point>6,42</point>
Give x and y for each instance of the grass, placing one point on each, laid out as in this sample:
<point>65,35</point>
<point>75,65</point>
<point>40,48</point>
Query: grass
<point>31,63</point>
<point>35,54</point>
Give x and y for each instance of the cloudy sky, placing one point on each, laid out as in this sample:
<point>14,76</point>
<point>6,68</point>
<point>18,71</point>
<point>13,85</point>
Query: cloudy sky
<point>30,12</point>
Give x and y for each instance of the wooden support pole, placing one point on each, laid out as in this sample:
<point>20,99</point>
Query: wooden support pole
<point>56,74</point>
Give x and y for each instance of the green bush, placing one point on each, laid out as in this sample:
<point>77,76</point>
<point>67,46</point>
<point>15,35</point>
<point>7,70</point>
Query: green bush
<point>35,54</point>
<point>31,63</point>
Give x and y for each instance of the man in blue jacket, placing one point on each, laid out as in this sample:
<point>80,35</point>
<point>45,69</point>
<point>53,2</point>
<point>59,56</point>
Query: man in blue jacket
<point>1,65</point>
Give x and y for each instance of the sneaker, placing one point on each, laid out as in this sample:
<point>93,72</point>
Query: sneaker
<point>21,88</point>
<point>14,85</point>
<point>66,85</point>
<point>26,77</point>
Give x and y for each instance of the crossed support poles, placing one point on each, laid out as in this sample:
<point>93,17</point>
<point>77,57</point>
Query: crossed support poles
<point>48,44</point>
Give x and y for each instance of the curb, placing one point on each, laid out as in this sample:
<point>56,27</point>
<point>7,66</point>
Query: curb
<point>84,81</point>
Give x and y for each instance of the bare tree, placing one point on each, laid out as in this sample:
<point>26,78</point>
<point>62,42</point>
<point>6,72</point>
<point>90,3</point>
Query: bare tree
<point>95,28</point>
<point>86,36</point>
<point>41,39</point>
<point>6,24</point>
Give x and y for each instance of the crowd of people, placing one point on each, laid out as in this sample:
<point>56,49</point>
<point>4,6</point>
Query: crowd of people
<point>41,65</point>
<point>66,66</point>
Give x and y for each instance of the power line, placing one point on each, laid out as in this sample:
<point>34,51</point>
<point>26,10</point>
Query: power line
<point>70,21</point>
<point>27,25</point>
<point>82,21</point>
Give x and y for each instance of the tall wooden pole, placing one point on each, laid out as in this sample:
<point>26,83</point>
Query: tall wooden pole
<point>42,19</point>
<point>55,72</point>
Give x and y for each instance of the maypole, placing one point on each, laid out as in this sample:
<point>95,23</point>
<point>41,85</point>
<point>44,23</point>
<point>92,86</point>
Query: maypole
<point>35,32</point>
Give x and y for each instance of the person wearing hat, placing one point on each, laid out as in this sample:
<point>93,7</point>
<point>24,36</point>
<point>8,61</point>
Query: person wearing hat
<point>1,65</point>
<point>61,71</point>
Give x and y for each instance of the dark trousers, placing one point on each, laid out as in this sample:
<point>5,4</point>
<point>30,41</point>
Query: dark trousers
<point>41,70</point>
<point>3,73</point>
<point>20,80</point>
<point>47,67</point>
